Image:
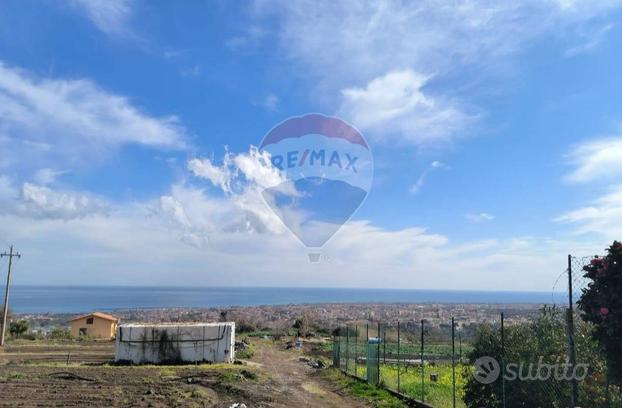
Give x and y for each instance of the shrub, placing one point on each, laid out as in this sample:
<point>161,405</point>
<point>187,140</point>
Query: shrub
<point>18,328</point>
<point>601,305</point>
<point>60,334</point>
<point>543,340</point>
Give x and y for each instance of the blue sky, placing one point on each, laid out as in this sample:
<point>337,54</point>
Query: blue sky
<point>128,129</point>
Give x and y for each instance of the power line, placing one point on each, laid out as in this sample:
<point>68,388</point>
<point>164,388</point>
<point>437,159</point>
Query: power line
<point>11,254</point>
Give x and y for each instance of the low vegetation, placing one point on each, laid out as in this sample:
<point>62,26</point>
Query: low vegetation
<point>376,396</point>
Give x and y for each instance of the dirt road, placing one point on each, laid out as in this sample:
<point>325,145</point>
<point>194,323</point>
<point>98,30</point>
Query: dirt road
<point>297,384</point>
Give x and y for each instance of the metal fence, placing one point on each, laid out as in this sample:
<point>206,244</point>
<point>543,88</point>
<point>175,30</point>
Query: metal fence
<point>413,359</point>
<point>433,365</point>
<point>596,390</point>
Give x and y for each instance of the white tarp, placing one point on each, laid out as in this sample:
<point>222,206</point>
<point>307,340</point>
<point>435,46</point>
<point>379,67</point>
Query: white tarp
<point>175,342</point>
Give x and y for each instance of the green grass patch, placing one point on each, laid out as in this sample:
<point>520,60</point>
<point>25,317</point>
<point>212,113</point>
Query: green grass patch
<point>247,353</point>
<point>436,393</point>
<point>12,375</point>
<point>375,396</point>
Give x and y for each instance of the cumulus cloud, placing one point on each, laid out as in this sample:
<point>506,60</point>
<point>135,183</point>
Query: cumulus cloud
<point>40,202</point>
<point>219,176</point>
<point>395,105</point>
<point>237,204</point>
<point>74,119</point>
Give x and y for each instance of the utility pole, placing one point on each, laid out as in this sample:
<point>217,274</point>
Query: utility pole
<point>11,254</point>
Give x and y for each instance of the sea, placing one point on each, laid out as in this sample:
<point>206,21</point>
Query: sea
<point>76,299</point>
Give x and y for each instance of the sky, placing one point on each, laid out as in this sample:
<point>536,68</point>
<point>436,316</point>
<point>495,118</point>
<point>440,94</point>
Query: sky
<point>129,133</point>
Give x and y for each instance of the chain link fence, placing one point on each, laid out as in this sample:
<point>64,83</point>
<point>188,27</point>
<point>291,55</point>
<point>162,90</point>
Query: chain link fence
<point>420,362</point>
<point>596,390</point>
<point>550,360</point>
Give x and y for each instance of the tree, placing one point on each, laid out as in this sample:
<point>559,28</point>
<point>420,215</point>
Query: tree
<point>302,325</point>
<point>601,305</point>
<point>542,340</point>
<point>18,327</point>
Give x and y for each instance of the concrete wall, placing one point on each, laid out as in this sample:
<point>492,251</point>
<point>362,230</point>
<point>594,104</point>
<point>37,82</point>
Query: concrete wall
<point>176,343</point>
<point>101,328</point>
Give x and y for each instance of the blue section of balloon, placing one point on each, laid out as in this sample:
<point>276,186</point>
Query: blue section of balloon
<point>318,208</point>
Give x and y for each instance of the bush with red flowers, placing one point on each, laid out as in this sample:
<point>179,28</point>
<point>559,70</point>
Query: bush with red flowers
<point>601,304</point>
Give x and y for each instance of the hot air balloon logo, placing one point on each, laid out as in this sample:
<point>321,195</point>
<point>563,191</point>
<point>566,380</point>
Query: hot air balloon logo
<point>326,172</point>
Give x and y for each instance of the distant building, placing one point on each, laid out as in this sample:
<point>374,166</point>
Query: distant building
<point>95,325</point>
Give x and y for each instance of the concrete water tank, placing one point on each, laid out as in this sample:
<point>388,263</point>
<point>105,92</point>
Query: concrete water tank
<point>175,342</point>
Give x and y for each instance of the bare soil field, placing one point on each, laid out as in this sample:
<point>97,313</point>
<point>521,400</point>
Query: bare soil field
<point>37,374</point>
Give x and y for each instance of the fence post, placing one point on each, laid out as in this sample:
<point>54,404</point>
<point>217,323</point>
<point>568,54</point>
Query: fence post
<point>378,354</point>
<point>422,367</point>
<point>503,360</point>
<point>453,360</point>
<point>608,381</point>
<point>384,345</point>
<point>367,362</point>
<point>460,343</point>
<point>398,356</point>
<point>347,346</point>
<point>571,345</point>
<point>356,349</point>
<point>335,352</point>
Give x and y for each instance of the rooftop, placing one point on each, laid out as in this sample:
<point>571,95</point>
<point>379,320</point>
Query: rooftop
<point>101,315</point>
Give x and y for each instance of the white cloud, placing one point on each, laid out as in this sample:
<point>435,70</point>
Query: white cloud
<point>603,216</point>
<point>47,176</point>
<point>592,39</point>
<point>110,16</point>
<point>127,247</point>
<point>219,176</point>
<point>416,188</point>
<point>196,215</point>
<point>7,191</point>
<point>440,165</point>
<point>394,105</point>
<point>369,39</point>
<point>251,34</point>
<point>598,159</point>
<point>235,238</point>
<point>73,120</point>
<point>238,205</point>
<point>270,102</point>
<point>373,59</point>
<point>40,202</point>
<point>479,217</point>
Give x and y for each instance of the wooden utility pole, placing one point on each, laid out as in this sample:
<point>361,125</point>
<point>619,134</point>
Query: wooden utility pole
<point>11,254</point>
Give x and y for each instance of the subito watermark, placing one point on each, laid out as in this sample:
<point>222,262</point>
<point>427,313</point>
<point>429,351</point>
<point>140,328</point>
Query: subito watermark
<point>487,370</point>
